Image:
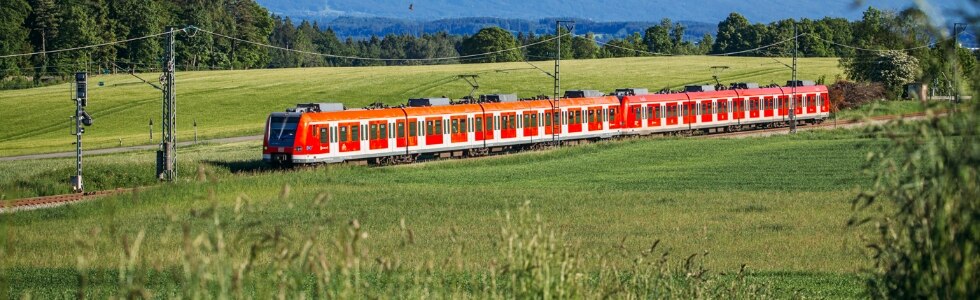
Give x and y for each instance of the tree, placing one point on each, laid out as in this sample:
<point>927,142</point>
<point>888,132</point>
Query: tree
<point>77,29</point>
<point>731,34</point>
<point>43,22</point>
<point>585,47</point>
<point>138,19</point>
<point>253,23</point>
<point>657,38</point>
<point>13,36</point>
<point>894,69</point>
<point>704,45</point>
<point>491,39</point>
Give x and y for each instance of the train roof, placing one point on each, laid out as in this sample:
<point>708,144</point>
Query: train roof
<point>588,101</point>
<point>355,114</point>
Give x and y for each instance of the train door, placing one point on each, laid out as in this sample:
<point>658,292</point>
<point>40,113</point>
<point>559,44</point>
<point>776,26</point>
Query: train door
<point>671,113</point>
<point>593,118</point>
<point>634,117</point>
<point>377,135</point>
<point>654,115</point>
<point>707,111</point>
<point>530,124</point>
<point>614,118</point>
<point>689,111</point>
<point>575,120</point>
<point>782,105</point>
<point>458,129</point>
<point>406,133</point>
<point>433,131</point>
<point>824,102</point>
<point>349,137</point>
<point>508,125</point>
<point>754,107</point>
<point>799,104</point>
<point>550,122</point>
<point>811,104</point>
<point>738,108</point>
<point>723,108</point>
<point>767,107</point>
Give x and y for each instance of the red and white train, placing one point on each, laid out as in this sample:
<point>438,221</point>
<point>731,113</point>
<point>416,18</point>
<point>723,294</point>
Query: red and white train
<point>329,133</point>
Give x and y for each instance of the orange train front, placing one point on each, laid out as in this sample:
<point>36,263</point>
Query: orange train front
<point>330,133</point>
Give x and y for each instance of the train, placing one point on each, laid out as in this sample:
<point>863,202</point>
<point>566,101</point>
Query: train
<point>316,133</point>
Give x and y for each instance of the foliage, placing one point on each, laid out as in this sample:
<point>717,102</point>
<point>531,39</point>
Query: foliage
<point>492,39</point>
<point>893,69</point>
<point>849,94</point>
<point>926,184</point>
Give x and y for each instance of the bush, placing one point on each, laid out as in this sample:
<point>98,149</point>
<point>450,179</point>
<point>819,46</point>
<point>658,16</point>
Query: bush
<point>848,94</point>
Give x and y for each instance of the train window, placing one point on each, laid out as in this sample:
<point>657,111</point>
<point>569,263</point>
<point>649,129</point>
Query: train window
<point>527,121</point>
<point>455,128</point>
<point>599,113</point>
<point>374,131</point>
<point>401,130</point>
<point>438,127</point>
<point>534,120</point>
<point>343,133</point>
<point>412,129</point>
<point>462,126</point>
<point>503,122</point>
<point>612,114</point>
<point>324,135</point>
<point>799,101</point>
<point>428,128</point>
<point>722,107</point>
<point>513,121</point>
<point>578,117</point>
<point>383,131</point>
<point>478,123</point>
<point>811,101</point>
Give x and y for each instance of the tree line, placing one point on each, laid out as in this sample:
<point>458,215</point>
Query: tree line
<point>41,25</point>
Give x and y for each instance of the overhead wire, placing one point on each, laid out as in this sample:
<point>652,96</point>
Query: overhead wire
<point>92,46</point>
<point>872,50</point>
<point>378,59</point>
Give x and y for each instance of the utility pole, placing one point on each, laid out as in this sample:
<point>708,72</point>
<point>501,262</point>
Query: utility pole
<point>956,60</point>
<point>166,155</point>
<point>792,102</point>
<point>556,126</point>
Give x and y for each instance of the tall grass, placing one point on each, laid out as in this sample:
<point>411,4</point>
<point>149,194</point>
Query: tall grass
<point>532,260</point>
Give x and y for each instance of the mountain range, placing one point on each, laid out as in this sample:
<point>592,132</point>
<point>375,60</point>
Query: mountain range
<point>709,11</point>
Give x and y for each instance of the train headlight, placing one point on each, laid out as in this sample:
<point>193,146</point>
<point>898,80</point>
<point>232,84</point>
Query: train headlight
<point>299,149</point>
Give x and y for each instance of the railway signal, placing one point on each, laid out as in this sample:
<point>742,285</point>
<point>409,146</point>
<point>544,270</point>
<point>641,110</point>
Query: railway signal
<point>82,120</point>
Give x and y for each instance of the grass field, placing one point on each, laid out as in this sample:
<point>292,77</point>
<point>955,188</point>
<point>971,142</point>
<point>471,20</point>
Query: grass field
<point>777,204</point>
<point>233,103</point>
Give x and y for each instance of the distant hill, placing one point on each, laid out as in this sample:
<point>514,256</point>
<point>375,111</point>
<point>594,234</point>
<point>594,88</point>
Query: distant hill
<point>362,27</point>
<point>709,11</point>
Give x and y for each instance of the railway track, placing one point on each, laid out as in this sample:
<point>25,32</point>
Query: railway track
<point>56,200</point>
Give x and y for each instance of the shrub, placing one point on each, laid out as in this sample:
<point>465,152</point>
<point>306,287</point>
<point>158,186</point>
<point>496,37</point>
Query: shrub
<point>848,94</point>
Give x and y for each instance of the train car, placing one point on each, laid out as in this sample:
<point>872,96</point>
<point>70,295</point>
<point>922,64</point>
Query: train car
<point>329,133</point>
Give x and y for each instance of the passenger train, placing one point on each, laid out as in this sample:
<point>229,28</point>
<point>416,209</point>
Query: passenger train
<point>330,133</point>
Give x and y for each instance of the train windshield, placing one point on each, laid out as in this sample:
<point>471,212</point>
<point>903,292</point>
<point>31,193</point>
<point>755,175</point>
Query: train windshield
<point>282,130</point>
